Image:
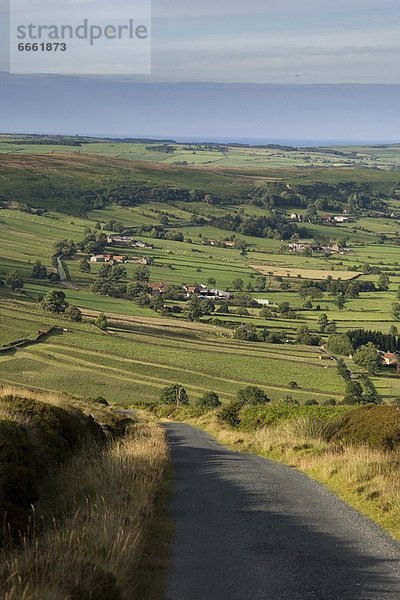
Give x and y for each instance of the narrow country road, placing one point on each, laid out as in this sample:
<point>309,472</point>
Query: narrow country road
<point>247,528</point>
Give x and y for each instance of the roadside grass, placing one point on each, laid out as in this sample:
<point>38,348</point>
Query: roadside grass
<point>90,535</point>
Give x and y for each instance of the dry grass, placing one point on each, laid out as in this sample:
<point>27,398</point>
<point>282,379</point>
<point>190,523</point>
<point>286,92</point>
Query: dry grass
<point>102,507</point>
<point>294,272</point>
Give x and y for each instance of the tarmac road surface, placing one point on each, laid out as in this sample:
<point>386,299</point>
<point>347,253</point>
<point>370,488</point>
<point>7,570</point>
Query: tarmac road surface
<point>247,528</point>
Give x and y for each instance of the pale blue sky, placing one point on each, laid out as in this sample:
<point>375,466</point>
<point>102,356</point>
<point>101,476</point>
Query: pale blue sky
<point>263,41</point>
<point>211,46</point>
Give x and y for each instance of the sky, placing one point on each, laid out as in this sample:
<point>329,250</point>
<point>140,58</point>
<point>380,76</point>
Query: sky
<point>227,67</point>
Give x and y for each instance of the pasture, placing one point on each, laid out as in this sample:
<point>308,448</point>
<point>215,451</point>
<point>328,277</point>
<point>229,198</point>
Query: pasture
<point>135,364</point>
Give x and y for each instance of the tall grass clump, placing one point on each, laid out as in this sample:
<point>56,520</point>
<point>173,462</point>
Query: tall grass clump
<point>94,524</point>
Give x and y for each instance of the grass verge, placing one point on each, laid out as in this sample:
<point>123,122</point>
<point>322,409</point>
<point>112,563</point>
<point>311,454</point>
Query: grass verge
<point>90,531</point>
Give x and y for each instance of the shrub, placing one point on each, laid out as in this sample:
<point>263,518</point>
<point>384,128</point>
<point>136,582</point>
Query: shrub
<point>101,322</point>
<point>209,400</point>
<point>230,414</point>
<point>252,395</point>
<point>174,394</point>
<point>376,426</point>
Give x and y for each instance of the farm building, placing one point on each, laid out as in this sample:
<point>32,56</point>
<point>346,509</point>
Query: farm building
<point>127,241</point>
<point>139,244</point>
<point>194,289</point>
<point>342,219</point>
<point>156,289</point>
<point>119,259</point>
<point>215,294</point>
<point>120,240</point>
<point>204,292</point>
<point>223,243</point>
<point>108,258</point>
<point>101,258</point>
<point>390,360</point>
<point>261,301</point>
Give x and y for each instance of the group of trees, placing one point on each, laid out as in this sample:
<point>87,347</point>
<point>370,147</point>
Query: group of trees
<point>318,196</point>
<point>177,395</point>
<point>55,302</point>
<point>13,280</point>
<point>387,342</point>
<point>110,280</point>
<point>274,226</point>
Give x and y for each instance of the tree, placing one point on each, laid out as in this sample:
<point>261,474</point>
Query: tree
<point>253,396</point>
<point>101,322</point>
<point>142,273</point>
<point>174,394</point>
<point>246,332</point>
<point>135,289</point>
<point>157,304</point>
<point>383,282</point>
<point>109,279</point>
<point>331,327</point>
<point>339,343</point>
<point>209,400</point>
<point>14,280</point>
<point>198,307</point>
<point>261,283</point>
<point>340,301</point>
<point>396,310</point>
<point>368,358</point>
<point>39,271</point>
<point>230,414</point>
<point>323,322</point>
<point>73,314</point>
<point>354,393</point>
<point>54,302</point>
<point>164,220</point>
<point>224,308</point>
<point>67,247</point>
<point>211,281</point>
<point>84,265</point>
<point>238,284</point>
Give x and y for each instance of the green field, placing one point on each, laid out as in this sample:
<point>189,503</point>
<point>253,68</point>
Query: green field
<point>145,352</point>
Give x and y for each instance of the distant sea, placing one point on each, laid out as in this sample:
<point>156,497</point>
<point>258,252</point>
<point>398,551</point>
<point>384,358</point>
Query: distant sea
<point>300,143</point>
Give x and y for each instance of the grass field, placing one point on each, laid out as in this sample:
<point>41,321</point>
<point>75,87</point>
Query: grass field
<point>212,158</point>
<point>144,352</point>
<point>135,362</point>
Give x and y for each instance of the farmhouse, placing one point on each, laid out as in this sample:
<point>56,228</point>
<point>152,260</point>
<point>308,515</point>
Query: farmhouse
<point>223,243</point>
<point>296,217</point>
<point>101,258</point>
<point>120,240</point>
<point>194,289</point>
<point>204,292</point>
<point>156,289</point>
<point>127,241</point>
<point>302,246</point>
<point>261,301</point>
<point>390,360</point>
<point>215,294</point>
<point>108,258</point>
<point>342,219</point>
<point>139,244</point>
